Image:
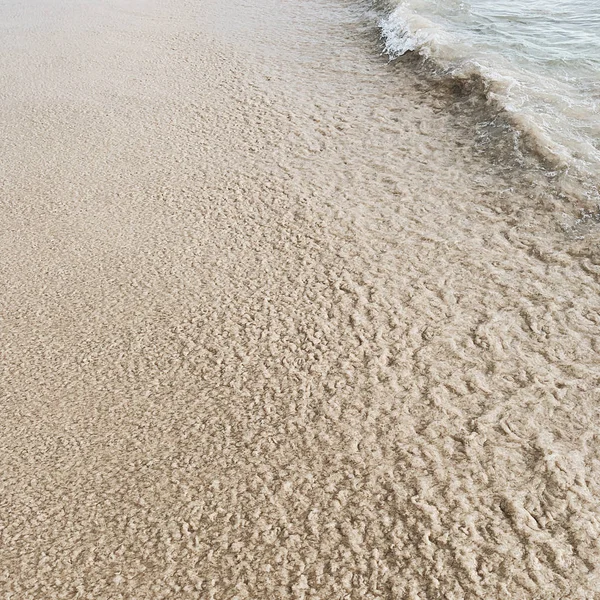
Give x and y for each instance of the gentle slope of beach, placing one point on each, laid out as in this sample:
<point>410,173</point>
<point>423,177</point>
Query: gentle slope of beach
<point>273,327</point>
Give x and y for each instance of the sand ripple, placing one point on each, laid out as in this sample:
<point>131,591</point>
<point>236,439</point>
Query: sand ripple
<point>272,332</point>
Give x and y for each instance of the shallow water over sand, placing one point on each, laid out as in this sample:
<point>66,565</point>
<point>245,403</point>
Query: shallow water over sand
<point>539,63</point>
<point>273,327</point>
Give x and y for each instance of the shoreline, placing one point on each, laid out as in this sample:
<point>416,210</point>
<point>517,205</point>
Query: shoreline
<point>523,99</point>
<point>272,328</point>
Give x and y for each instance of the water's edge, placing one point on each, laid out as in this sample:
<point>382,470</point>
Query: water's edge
<point>530,146</point>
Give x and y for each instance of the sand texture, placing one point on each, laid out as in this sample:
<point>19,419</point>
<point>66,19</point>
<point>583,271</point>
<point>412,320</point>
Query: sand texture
<point>272,327</point>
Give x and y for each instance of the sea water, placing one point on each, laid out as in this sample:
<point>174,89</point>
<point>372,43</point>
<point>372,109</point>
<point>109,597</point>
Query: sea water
<point>539,61</point>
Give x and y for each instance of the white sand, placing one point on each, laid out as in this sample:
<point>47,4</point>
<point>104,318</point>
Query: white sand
<point>271,329</point>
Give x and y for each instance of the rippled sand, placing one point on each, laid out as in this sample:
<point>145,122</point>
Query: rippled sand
<point>272,327</point>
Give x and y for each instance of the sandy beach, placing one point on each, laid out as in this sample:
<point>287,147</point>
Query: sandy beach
<point>273,326</point>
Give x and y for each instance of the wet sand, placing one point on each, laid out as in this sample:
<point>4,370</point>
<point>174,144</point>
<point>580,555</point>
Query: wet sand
<point>272,327</point>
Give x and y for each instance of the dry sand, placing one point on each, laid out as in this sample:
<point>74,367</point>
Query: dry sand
<point>272,327</point>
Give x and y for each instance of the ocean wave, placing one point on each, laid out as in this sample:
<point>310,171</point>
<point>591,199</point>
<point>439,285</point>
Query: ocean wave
<point>555,115</point>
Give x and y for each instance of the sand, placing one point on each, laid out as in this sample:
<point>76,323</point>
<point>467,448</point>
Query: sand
<point>272,325</point>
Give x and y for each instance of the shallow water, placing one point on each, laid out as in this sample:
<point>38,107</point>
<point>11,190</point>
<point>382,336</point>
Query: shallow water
<point>540,63</point>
